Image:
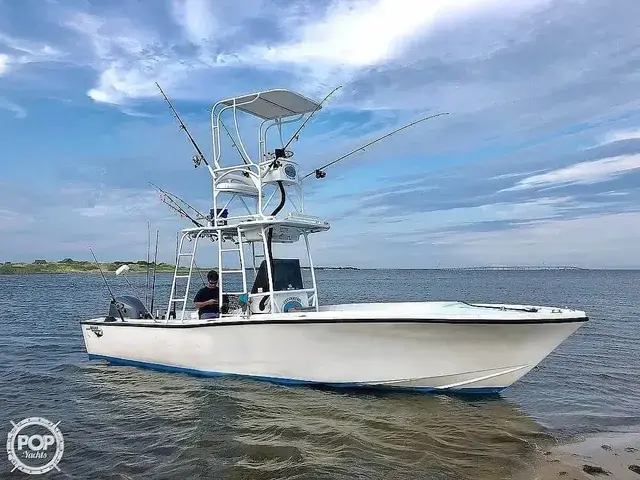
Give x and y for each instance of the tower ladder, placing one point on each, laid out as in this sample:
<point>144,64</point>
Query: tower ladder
<point>188,256</point>
<point>239,248</point>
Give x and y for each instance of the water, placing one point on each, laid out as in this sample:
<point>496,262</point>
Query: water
<point>123,422</point>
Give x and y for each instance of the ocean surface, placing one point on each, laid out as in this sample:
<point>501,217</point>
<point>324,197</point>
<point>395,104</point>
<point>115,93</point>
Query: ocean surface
<point>124,422</point>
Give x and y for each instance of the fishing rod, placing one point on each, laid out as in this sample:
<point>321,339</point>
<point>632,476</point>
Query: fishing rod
<point>197,158</point>
<point>173,197</point>
<point>235,145</point>
<point>146,287</point>
<point>319,172</point>
<point>176,206</point>
<point>113,298</point>
<point>153,283</point>
<point>181,212</point>
<point>281,152</point>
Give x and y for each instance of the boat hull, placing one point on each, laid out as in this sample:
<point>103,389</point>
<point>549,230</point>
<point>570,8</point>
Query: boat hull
<point>425,355</point>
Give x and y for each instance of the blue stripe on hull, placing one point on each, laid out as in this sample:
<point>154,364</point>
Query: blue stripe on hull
<point>291,381</point>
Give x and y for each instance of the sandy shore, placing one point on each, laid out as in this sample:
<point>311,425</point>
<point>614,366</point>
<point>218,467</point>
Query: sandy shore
<point>604,456</point>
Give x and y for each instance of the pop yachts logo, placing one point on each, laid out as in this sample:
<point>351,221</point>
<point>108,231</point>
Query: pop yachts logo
<point>35,445</point>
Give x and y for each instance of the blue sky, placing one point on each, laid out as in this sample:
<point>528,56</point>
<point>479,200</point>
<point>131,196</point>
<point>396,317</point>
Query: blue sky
<point>537,163</point>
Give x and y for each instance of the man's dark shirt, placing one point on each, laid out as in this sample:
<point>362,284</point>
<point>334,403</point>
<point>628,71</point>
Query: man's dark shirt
<point>204,294</point>
<point>208,293</point>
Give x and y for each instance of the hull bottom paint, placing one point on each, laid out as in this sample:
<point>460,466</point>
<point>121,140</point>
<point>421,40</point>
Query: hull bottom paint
<point>296,383</point>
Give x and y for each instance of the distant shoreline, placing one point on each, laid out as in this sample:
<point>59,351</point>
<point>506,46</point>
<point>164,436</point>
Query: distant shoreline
<point>69,266</point>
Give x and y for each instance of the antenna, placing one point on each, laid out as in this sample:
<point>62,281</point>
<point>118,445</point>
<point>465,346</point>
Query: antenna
<point>319,172</point>
<point>113,298</point>
<point>196,158</point>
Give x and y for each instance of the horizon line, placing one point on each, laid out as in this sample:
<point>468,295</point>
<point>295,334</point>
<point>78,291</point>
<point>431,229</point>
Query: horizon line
<point>348,267</point>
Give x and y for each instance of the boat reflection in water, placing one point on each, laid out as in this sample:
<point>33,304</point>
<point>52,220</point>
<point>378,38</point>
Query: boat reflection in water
<point>161,425</point>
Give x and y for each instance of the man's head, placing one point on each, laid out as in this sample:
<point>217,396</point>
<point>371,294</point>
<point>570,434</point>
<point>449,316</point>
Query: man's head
<point>212,278</point>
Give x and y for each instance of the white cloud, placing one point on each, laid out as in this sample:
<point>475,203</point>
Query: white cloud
<point>319,46</point>
<point>458,217</point>
<point>12,107</point>
<point>196,18</point>
<point>25,51</point>
<point>356,34</point>
<point>619,135</point>
<point>595,241</point>
<point>598,241</point>
<point>33,49</point>
<point>129,58</point>
<point>75,216</point>
<point>512,175</point>
<point>4,63</point>
<point>584,172</point>
<point>503,76</point>
<point>5,60</point>
<point>362,33</point>
<point>116,204</point>
<point>436,225</point>
<point>10,220</point>
<point>613,193</point>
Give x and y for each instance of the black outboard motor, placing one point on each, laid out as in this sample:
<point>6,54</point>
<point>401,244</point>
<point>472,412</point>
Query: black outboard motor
<point>129,306</point>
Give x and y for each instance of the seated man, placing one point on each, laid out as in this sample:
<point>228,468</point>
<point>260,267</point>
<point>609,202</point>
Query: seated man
<point>206,300</point>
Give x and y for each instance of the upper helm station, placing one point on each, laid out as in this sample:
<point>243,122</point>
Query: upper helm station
<point>257,203</point>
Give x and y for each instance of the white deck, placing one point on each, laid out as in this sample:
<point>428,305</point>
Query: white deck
<point>250,222</point>
<point>394,312</point>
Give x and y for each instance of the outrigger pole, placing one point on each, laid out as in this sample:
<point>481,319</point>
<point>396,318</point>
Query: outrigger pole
<point>319,172</point>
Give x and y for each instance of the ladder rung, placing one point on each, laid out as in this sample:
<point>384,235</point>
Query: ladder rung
<point>234,293</point>
<point>186,254</point>
<point>181,276</point>
<point>231,271</point>
<point>179,300</point>
<point>229,249</point>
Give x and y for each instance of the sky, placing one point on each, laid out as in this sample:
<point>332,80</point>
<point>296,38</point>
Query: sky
<point>536,163</point>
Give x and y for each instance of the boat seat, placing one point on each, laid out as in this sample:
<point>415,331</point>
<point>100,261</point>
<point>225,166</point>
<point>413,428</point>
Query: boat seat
<point>238,184</point>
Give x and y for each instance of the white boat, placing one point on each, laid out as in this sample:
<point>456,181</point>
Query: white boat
<point>276,329</point>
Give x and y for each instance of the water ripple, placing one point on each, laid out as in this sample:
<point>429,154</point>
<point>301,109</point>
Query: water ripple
<point>125,423</point>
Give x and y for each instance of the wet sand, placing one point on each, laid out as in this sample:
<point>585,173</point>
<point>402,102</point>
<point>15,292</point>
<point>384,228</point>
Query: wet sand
<point>604,456</point>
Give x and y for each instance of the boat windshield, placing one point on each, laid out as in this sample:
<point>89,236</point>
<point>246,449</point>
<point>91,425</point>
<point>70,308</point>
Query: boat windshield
<point>287,275</point>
